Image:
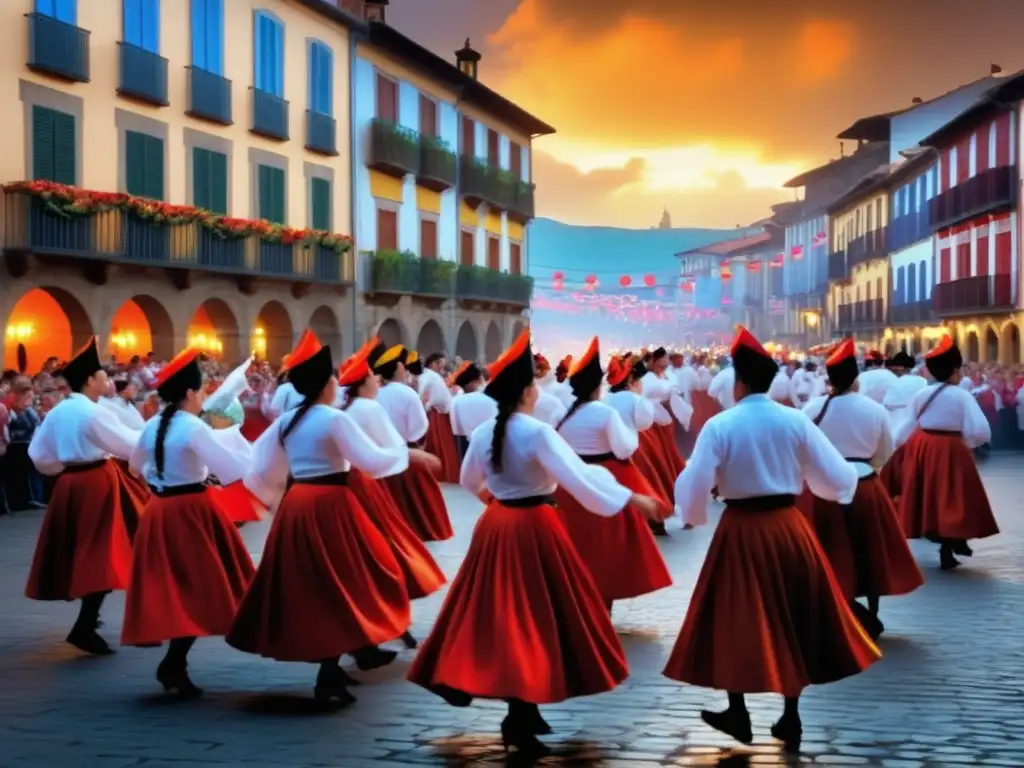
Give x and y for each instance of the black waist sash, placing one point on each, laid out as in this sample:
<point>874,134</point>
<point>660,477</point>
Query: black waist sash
<point>85,466</point>
<point>863,461</point>
<point>418,444</point>
<point>599,458</point>
<point>528,501</point>
<point>943,432</point>
<point>762,503</point>
<point>335,478</point>
<point>178,490</point>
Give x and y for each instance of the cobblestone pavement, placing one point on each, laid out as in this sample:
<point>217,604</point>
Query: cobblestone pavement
<point>950,690</point>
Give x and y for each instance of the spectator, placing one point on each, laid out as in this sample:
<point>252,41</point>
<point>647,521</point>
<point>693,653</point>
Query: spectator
<point>23,485</point>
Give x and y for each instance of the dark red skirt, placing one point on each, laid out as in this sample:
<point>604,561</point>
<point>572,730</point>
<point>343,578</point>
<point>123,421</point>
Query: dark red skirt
<point>418,497</point>
<point>441,442</point>
<point>190,570</point>
<point>327,584</point>
<point>651,461</point>
<point>85,543</point>
<point>619,551</point>
<point>523,619</point>
<point>135,484</point>
<point>237,503</point>
<point>941,493</point>
<point>865,544</point>
<point>767,614</point>
<point>704,407</point>
<point>891,475</point>
<point>255,424</point>
<point>674,464</point>
<point>422,574</point>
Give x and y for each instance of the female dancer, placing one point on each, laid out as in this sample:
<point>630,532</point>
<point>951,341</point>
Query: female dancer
<point>422,575</point>
<point>620,551</point>
<point>416,490</point>
<point>523,621</point>
<point>941,495</point>
<point>328,583</point>
<point>471,407</point>
<point>863,541</point>
<point>190,566</point>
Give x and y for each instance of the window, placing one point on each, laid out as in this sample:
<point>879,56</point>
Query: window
<point>321,84</point>
<point>428,238</point>
<point>468,138</point>
<point>493,253</point>
<point>899,294</point>
<point>53,146</point>
<point>1004,252</point>
<point>981,256</point>
<point>142,24</point>
<point>922,276</point>
<point>428,116</point>
<point>208,35</point>
<point>387,229</point>
<point>320,204</point>
<point>515,161</point>
<point>879,220</point>
<point>210,180</point>
<point>61,10</point>
<point>270,185</point>
<point>467,247</point>
<point>268,61</point>
<point>910,292</point>
<point>493,145</point>
<point>387,99</point>
<point>144,165</point>
<point>515,258</point>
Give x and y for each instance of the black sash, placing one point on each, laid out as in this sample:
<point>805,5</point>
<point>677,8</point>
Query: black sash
<point>85,466</point>
<point>762,503</point>
<point>599,458</point>
<point>528,501</point>
<point>940,432</point>
<point>335,478</point>
<point>418,444</point>
<point>178,490</point>
<point>931,400</point>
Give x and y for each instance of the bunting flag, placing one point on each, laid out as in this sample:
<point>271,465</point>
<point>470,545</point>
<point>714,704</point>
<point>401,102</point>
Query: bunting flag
<point>819,239</point>
<point>753,266</point>
<point>796,252</point>
<point>777,260</point>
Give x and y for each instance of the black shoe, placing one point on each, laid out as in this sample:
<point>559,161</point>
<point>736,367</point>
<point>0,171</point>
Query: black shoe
<point>332,686</point>
<point>409,641</point>
<point>790,732</point>
<point>518,735</point>
<point>539,725</point>
<point>868,620</point>
<point>658,529</point>
<point>89,641</point>
<point>946,560</point>
<point>961,548</point>
<point>174,677</point>
<point>731,723</point>
<point>373,658</point>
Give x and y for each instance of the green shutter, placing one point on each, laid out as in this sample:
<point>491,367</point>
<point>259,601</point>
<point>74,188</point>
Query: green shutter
<point>219,183</point>
<point>201,178</point>
<point>263,189</point>
<point>64,148</point>
<point>42,144</point>
<point>271,194</point>
<point>135,163</point>
<point>154,168</point>
<point>279,196</point>
<point>320,204</point>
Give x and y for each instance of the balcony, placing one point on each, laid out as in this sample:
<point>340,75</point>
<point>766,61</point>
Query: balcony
<point>981,295</point>
<point>482,183</point>
<point>405,273</point>
<point>394,150</point>
<point>521,207</point>
<point>57,48</point>
<point>121,236</point>
<point>837,266</point>
<point>867,315</point>
<point>321,133</point>
<point>209,96</point>
<point>906,230</point>
<point>912,313</point>
<point>436,169</point>
<point>143,75</point>
<point>873,245</point>
<point>269,115</point>
<point>990,191</point>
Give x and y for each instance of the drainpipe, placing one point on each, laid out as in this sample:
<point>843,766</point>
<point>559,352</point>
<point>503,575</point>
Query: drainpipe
<point>353,144</point>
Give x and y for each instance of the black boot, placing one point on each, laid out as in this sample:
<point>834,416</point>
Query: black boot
<point>172,673</point>
<point>658,529</point>
<point>519,731</point>
<point>946,560</point>
<point>734,721</point>
<point>409,641</point>
<point>789,729</point>
<point>84,635</point>
<point>959,547</point>
<point>373,657</point>
<point>332,684</point>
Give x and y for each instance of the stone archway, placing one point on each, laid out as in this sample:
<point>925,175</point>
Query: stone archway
<point>991,345</point>
<point>1011,343</point>
<point>517,330</point>
<point>390,333</point>
<point>214,330</point>
<point>324,323</point>
<point>973,347</point>
<point>430,339</point>
<point>492,342</point>
<point>274,326</point>
<point>466,346</point>
<point>141,325</point>
<point>49,322</point>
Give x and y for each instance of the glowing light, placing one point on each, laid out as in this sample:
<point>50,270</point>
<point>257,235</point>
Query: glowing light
<point>21,331</point>
<point>811,319</point>
<point>259,341</point>
<point>123,340</point>
<point>206,343</point>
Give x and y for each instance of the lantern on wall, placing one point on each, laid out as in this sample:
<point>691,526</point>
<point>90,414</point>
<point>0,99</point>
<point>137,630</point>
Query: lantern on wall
<point>625,281</point>
<point>590,279</point>
<point>649,281</point>
<point>558,276</point>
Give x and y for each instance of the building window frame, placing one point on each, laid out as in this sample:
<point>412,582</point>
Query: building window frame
<point>392,206</point>
<point>125,121</point>
<point>258,157</point>
<point>472,231</point>
<point>268,30</point>
<point>140,24</point>
<point>436,219</point>
<point>206,35</point>
<point>36,95</point>
<point>378,77</point>
<point>194,139</point>
<point>320,68</point>
<point>519,244</point>
<point>61,10</point>
<point>313,171</point>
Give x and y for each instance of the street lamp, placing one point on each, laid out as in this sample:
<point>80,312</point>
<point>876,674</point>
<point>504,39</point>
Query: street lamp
<point>810,317</point>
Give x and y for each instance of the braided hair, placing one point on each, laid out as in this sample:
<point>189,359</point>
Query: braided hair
<point>505,411</point>
<point>161,434</point>
<point>576,405</point>
<point>351,393</point>
<point>307,402</point>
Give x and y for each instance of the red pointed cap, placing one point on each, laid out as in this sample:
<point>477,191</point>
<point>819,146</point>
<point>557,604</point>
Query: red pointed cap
<point>463,367</point>
<point>356,368</point>
<point>586,374</point>
<point>509,356</point>
<point>745,339</point>
<point>844,350</point>
<point>566,362</point>
<point>592,353</point>
<point>944,346</point>
<point>619,368</point>
<point>179,363</point>
<point>304,351</point>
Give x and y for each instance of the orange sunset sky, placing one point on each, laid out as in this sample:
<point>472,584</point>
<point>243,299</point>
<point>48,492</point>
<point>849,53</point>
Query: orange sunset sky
<point>707,107</point>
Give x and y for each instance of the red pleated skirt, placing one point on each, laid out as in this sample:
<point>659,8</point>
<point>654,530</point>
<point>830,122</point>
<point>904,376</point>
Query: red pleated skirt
<point>418,497</point>
<point>704,407</point>
<point>441,442</point>
<point>422,574</point>
<point>255,424</point>
<point>651,461</point>
<point>237,503</point>
<point>619,551</point>
<point>523,618</point>
<point>135,484</point>
<point>941,493</point>
<point>327,584</point>
<point>666,435</point>
<point>891,475</point>
<point>190,570</point>
<point>865,544</point>
<point>767,614</point>
<point>85,543</point>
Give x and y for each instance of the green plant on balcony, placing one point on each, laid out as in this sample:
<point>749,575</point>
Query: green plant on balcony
<point>523,198</point>
<point>437,163</point>
<point>397,271</point>
<point>437,277</point>
<point>395,149</point>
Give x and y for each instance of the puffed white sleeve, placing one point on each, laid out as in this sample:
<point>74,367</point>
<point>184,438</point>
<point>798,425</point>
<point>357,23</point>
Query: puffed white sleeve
<point>681,409</point>
<point>829,476</point>
<point>473,475</point>
<point>621,439</point>
<point>231,439</point>
<point>140,456</point>
<point>224,457</point>
<point>378,427</point>
<point>111,435</point>
<point>910,423</point>
<point>42,450</point>
<point>277,402</point>
<point>593,486</point>
<point>886,442</point>
<point>267,478</point>
<point>698,478</point>
<point>357,447</point>
<point>643,413</point>
<point>976,429</point>
<point>415,417</point>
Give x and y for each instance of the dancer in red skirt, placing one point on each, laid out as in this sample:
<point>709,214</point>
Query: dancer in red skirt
<point>328,583</point>
<point>190,567</point>
<point>863,541</point>
<point>437,399</point>
<point>422,575</point>
<point>620,551</point>
<point>416,490</point>
<point>471,407</point>
<point>84,550</point>
<point>523,621</point>
<point>941,495</point>
<point>767,614</point>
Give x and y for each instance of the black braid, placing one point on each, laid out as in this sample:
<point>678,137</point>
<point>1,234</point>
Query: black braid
<point>161,434</point>
<point>351,393</point>
<point>579,401</point>
<point>505,411</point>
<point>308,402</point>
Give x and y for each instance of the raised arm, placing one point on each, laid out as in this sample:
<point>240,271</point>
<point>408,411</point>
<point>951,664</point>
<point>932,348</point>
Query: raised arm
<point>357,447</point>
<point>829,476</point>
<point>699,477</point>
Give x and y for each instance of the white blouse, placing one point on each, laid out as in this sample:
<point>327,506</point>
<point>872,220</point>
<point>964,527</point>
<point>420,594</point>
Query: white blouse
<point>596,428</point>
<point>535,460</point>
<point>658,391</point>
<point>192,452</point>
<point>721,387</point>
<point>876,383</point>
<point>285,399</point>
<point>549,408</point>
<point>953,410</point>
<point>79,431</point>
<point>471,409</point>
<point>635,411</point>
<point>858,427</point>
<point>434,391</point>
<point>126,412</point>
<point>374,421</point>
<point>405,409</point>
<point>761,448</point>
<point>325,442</point>
<point>779,389</point>
<point>562,390</point>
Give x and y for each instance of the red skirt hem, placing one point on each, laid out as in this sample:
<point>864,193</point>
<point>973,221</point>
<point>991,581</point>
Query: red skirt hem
<point>418,497</point>
<point>441,442</point>
<point>650,459</point>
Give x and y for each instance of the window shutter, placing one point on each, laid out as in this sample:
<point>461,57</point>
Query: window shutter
<point>64,10</point>
<point>219,183</point>
<point>262,52</point>
<point>277,60</point>
<point>981,253</point>
<point>468,136</point>
<point>387,99</point>
<point>64,149</point>
<point>467,248</point>
<point>215,36</point>
<point>263,191</point>
<point>428,238</point>
<point>43,154</point>
<point>515,258</point>
<point>493,145</point>
<point>493,253</point>
<point>324,81</point>
<point>387,230</point>
<point>200,35</point>
<point>151,25</point>
<point>201,178</point>
<point>515,160</point>
<point>428,116</point>
<point>313,67</point>
<point>271,194</point>
<point>135,163</point>
<point>154,168</point>
<point>320,204</point>
<point>132,10</point>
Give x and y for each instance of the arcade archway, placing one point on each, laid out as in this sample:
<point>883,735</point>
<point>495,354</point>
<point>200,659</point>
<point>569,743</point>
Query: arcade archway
<point>141,325</point>
<point>214,330</point>
<point>46,322</point>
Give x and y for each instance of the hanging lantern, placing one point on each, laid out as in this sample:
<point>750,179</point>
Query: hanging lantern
<point>625,281</point>
<point>558,276</point>
<point>558,285</point>
<point>649,281</point>
<point>753,266</point>
<point>590,279</point>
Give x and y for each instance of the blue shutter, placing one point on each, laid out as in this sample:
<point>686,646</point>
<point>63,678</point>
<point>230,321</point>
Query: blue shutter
<point>326,81</point>
<point>259,51</point>
<point>911,284</point>
<point>62,10</point>
<point>278,61</point>
<point>132,10</point>
<point>922,275</point>
<point>268,66</point>
<point>151,25</point>
<point>200,36</point>
<point>215,36</point>
<point>313,75</point>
